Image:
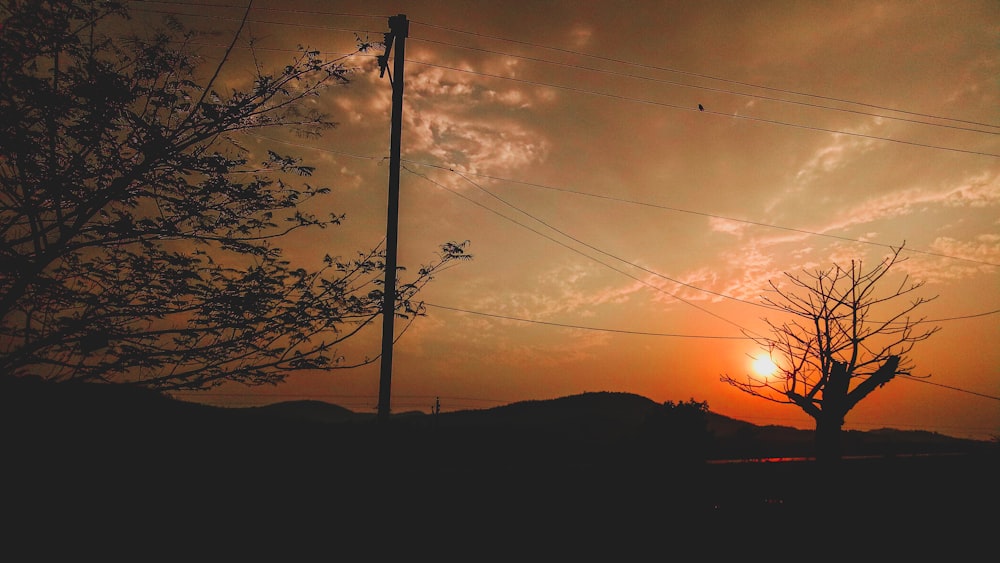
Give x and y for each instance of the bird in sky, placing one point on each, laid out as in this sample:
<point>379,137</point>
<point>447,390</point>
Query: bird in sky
<point>701,107</point>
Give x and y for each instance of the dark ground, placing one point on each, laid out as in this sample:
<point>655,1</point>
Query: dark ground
<point>141,479</point>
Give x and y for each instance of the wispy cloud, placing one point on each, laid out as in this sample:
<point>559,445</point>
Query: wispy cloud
<point>980,190</point>
<point>838,153</point>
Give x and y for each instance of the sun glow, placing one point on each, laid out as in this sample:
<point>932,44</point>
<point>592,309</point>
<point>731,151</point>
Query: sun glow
<point>763,366</point>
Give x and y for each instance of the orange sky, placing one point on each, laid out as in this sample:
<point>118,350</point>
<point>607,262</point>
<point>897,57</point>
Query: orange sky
<point>563,140</point>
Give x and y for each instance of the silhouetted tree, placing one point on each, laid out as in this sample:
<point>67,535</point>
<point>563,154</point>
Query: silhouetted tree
<point>844,340</point>
<point>678,432</point>
<point>139,235</point>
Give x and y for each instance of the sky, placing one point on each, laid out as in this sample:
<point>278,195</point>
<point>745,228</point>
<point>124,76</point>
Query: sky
<point>622,237</point>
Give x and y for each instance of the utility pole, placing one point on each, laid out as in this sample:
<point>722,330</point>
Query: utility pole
<point>399,28</point>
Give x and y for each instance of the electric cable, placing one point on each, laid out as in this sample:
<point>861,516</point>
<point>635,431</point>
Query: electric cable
<point>583,327</point>
<point>629,98</point>
<point>709,88</point>
<point>704,214</point>
<point>705,111</point>
<point>560,243</point>
<point>695,74</point>
<point>641,203</point>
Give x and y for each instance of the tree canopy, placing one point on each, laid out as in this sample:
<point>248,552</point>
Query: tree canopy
<point>846,331</point>
<point>140,232</point>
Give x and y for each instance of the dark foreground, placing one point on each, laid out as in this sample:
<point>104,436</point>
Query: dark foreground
<point>191,503</point>
<point>130,485</point>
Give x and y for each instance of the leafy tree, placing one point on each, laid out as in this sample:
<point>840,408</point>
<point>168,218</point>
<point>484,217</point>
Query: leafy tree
<point>844,341</point>
<point>139,235</point>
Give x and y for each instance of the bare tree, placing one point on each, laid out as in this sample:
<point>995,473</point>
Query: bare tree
<point>140,235</point>
<point>845,339</point>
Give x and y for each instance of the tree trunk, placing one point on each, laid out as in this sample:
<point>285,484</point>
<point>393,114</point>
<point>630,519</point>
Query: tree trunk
<point>828,435</point>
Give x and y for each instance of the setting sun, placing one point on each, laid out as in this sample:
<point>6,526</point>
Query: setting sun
<point>764,366</point>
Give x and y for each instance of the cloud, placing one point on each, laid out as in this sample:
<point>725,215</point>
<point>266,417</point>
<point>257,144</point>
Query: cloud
<point>757,258</point>
<point>720,225</point>
<point>574,289</point>
<point>580,36</point>
<point>437,82</point>
<point>466,123</point>
<point>750,268</point>
<point>982,190</point>
<point>474,145</point>
<point>978,191</point>
<point>985,247</point>
<point>462,87</point>
<point>348,109</point>
<point>970,258</point>
<point>977,82</point>
<point>512,98</point>
<point>835,155</point>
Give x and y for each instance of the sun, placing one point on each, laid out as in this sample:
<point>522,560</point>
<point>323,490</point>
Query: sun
<point>763,366</point>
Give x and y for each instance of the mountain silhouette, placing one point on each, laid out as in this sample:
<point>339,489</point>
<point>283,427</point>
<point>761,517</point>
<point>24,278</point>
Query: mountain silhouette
<point>566,472</point>
<point>604,417</point>
<point>108,412</point>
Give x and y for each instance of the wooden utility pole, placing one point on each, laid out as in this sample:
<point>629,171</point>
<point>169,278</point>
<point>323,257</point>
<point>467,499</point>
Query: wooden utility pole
<point>399,28</point>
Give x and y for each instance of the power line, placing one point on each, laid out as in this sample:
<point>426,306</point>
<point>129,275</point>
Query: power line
<point>321,149</point>
<point>506,317</point>
<point>953,388</point>
<point>676,209</point>
<point>608,254</point>
<point>560,243</point>
<point>615,96</point>
<point>746,331</point>
<point>608,59</point>
<point>701,213</point>
<point>261,8</point>
<point>575,53</point>
<point>973,316</point>
<point>696,109</point>
<point>256,21</point>
<point>641,203</point>
<point>462,175</point>
<point>341,54</point>
<point>582,327</point>
<point>695,74</point>
<point>711,89</point>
